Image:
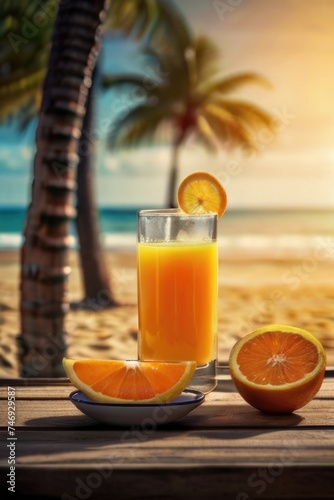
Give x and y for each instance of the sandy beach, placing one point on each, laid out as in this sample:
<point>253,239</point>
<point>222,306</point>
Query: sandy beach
<point>256,287</point>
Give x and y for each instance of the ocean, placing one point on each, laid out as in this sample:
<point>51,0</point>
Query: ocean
<point>237,228</point>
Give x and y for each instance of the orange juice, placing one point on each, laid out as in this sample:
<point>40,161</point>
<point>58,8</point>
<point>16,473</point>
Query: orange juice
<point>177,297</point>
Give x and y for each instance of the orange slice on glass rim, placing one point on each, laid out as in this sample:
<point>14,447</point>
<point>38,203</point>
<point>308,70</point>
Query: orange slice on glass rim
<point>121,381</point>
<point>200,193</point>
<point>278,368</point>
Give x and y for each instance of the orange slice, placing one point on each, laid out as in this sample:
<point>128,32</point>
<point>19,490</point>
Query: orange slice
<point>120,381</point>
<point>200,193</point>
<point>278,368</point>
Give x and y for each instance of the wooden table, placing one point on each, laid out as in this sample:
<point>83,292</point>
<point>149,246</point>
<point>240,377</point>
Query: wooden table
<point>223,449</point>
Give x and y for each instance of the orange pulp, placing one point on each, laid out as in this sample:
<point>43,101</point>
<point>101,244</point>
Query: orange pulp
<point>177,301</point>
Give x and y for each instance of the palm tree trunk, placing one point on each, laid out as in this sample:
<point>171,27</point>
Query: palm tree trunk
<point>95,276</point>
<point>44,254</point>
<point>171,190</point>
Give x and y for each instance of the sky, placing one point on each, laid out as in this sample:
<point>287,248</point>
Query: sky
<point>290,43</point>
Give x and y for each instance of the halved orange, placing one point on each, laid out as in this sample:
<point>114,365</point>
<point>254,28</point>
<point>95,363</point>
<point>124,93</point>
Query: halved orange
<point>278,368</point>
<point>201,192</point>
<point>121,381</point>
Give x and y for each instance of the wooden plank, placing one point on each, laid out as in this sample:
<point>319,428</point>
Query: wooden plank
<point>222,447</point>
<point>30,388</point>
<point>168,482</point>
<point>46,415</point>
<point>39,392</point>
<point>15,382</point>
<point>219,410</point>
<point>36,388</point>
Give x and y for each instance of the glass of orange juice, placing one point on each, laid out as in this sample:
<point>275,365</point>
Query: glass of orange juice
<point>177,263</point>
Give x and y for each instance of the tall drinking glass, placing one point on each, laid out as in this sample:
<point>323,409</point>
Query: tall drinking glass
<point>177,263</point>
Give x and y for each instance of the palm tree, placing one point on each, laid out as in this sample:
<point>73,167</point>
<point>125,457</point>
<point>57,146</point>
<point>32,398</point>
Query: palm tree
<point>192,98</point>
<point>25,34</point>
<point>26,29</point>
<point>44,256</point>
<point>98,292</point>
<point>150,21</point>
<point>67,92</point>
<point>44,260</point>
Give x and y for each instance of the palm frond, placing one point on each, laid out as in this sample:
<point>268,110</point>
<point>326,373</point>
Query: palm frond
<point>168,65</point>
<point>23,61</point>
<point>248,113</point>
<point>21,97</point>
<point>112,81</point>
<point>138,125</point>
<point>231,83</point>
<point>206,58</point>
<point>10,105</point>
<point>132,18</point>
<point>213,109</point>
<point>15,84</point>
<point>218,125</point>
<point>227,128</point>
<point>166,83</point>
<point>206,135</point>
<point>153,20</point>
<point>174,22</point>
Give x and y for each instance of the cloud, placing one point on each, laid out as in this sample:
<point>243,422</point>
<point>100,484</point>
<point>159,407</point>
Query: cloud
<point>15,160</point>
<point>9,160</point>
<point>137,162</point>
<point>111,163</point>
<point>27,152</point>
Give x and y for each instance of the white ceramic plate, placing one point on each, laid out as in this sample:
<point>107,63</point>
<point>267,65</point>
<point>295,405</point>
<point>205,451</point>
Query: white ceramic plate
<point>144,415</point>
